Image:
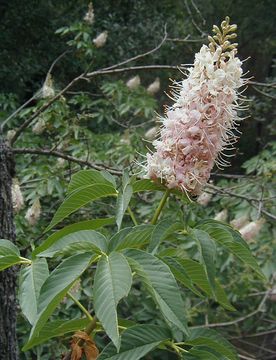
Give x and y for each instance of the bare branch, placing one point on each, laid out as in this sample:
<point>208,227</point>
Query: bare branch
<point>137,57</point>
<point>59,154</point>
<point>252,201</point>
<point>133,68</point>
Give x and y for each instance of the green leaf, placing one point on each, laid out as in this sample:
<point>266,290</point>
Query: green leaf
<point>55,288</point>
<point>83,240</point>
<point>59,328</point>
<point>9,254</point>
<point>136,342</point>
<point>162,230</point>
<point>83,225</point>
<point>232,241</point>
<point>203,353</point>
<point>180,274</point>
<point>146,185</point>
<point>8,248</point>
<point>8,261</point>
<point>123,201</point>
<point>112,282</point>
<point>195,271</point>
<point>207,250</point>
<point>161,284</point>
<point>30,282</point>
<point>86,178</point>
<point>131,237</point>
<point>213,340</point>
<point>79,198</point>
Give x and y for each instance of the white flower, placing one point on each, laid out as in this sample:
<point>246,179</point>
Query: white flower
<point>221,216</point>
<point>47,88</point>
<point>251,230</point>
<point>17,196</point>
<point>39,126</point>
<point>154,87</point>
<point>89,16</point>
<point>239,222</point>
<point>100,40</point>
<point>33,213</point>
<point>10,134</point>
<point>204,198</point>
<point>151,133</point>
<point>134,82</point>
<point>60,162</point>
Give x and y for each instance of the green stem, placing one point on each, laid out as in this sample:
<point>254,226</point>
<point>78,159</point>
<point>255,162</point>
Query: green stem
<point>91,326</point>
<point>133,218</point>
<point>160,207</point>
<point>83,309</point>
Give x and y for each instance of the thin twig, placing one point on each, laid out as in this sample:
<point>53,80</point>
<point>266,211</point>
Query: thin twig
<point>35,96</point>
<point>240,319</point>
<point>264,93</point>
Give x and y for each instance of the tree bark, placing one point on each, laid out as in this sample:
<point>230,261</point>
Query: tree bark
<point>8,305</point>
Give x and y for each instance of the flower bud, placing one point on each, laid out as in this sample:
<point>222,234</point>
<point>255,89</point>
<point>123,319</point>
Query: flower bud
<point>100,40</point>
<point>134,82</point>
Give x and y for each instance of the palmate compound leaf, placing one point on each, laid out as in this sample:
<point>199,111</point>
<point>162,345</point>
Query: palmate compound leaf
<point>31,280</point>
<point>79,198</point>
<point>161,284</point>
<point>213,340</point>
<point>231,239</point>
<point>136,342</point>
<point>79,241</point>
<point>82,225</point>
<point>112,282</point>
<point>55,288</point>
<point>9,254</point>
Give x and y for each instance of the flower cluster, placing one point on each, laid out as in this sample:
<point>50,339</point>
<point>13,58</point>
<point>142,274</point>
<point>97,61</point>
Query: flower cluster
<point>200,124</point>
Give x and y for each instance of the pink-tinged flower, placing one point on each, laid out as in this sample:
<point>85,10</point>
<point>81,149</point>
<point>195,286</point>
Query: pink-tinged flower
<point>201,124</point>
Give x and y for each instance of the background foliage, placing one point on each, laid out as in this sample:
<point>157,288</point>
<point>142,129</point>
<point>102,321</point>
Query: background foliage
<point>105,122</point>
